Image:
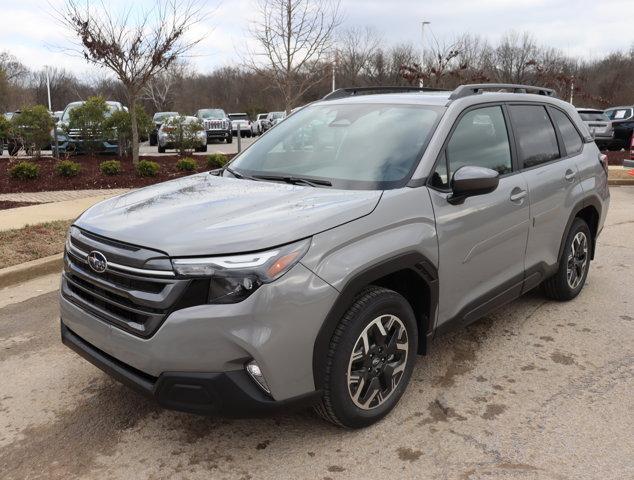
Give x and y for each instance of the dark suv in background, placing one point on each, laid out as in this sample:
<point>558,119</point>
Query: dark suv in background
<point>622,119</point>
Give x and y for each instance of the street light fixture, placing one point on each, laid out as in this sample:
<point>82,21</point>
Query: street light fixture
<point>422,61</point>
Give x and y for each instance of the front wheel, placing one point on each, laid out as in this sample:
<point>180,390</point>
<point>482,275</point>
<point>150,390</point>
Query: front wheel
<point>370,359</point>
<point>573,264</point>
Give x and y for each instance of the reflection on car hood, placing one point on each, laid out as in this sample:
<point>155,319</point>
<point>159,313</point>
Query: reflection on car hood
<point>207,215</point>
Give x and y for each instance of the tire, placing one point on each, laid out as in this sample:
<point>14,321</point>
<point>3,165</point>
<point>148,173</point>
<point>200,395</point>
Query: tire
<point>161,149</point>
<point>360,404</point>
<point>573,265</point>
<point>202,148</point>
<point>230,139</point>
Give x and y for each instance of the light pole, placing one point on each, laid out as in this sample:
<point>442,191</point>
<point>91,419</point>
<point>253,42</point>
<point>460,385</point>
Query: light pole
<point>422,61</point>
<point>48,88</point>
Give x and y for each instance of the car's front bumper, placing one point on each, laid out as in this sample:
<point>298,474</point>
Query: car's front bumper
<point>276,326</point>
<point>218,134</point>
<point>227,393</point>
<point>67,145</point>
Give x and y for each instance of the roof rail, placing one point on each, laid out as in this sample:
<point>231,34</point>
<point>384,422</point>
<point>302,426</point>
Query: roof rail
<point>477,88</point>
<point>352,91</point>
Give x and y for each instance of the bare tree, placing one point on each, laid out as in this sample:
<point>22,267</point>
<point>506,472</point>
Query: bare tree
<point>356,48</point>
<point>294,38</point>
<point>160,90</point>
<point>134,49</point>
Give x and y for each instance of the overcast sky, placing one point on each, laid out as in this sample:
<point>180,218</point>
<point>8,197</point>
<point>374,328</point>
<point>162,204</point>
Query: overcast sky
<point>586,29</point>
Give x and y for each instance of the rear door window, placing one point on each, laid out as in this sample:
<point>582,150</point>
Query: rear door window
<point>572,139</point>
<point>535,135</point>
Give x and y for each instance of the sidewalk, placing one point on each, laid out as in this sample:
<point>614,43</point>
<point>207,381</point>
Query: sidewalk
<point>57,196</point>
<point>74,204</point>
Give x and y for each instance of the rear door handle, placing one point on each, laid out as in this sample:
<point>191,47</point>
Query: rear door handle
<point>570,175</point>
<point>517,195</point>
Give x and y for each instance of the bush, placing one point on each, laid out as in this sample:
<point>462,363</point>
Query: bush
<point>187,165</point>
<point>68,168</point>
<point>147,168</point>
<point>25,171</point>
<point>31,128</point>
<point>216,160</point>
<point>110,167</point>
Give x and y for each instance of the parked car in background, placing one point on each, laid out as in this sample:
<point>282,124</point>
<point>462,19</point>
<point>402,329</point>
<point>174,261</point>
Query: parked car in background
<point>216,123</point>
<point>257,127</point>
<point>275,117</point>
<point>599,125</point>
<point>70,139</point>
<point>158,119</point>
<point>240,123</point>
<point>177,132</point>
<point>622,119</point>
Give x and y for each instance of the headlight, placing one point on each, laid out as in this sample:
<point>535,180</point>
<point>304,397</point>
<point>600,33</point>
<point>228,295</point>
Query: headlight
<point>235,277</point>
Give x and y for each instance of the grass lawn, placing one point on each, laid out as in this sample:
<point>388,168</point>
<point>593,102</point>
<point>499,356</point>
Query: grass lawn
<point>620,174</point>
<point>32,242</point>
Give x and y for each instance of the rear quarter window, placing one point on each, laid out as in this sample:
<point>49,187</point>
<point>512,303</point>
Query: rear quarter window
<point>572,139</point>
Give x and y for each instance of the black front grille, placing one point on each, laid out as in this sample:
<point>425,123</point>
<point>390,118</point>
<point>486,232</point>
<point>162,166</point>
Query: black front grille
<point>136,300</point>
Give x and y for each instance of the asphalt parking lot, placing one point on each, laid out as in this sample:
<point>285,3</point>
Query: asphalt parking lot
<point>145,149</point>
<point>539,390</point>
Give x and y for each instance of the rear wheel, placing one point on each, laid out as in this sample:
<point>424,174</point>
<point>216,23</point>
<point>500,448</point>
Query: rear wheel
<point>370,359</point>
<point>573,264</point>
<point>161,149</point>
<point>230,139</point>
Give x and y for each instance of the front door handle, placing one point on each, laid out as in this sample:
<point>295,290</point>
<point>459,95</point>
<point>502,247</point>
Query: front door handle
<point>517,194</point>
<point>569,176</point>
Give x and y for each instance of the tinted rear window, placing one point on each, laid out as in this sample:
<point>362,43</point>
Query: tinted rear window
<point>572,139</point>
<point>619,113</point>
<point>594,117</point>
<point>535,134</point>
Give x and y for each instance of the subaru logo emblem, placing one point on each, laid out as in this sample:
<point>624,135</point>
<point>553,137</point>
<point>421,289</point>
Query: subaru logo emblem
<point>97,261</point>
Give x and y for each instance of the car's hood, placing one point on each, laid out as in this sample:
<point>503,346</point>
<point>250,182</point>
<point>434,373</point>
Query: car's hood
<point>206,215</point>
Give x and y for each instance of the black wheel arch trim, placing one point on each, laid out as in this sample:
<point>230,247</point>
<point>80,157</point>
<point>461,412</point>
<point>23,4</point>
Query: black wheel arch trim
<point>590,201</point>
<point>412,261</point>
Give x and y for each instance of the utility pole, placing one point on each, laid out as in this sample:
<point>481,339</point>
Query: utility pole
<point>572,87</point>
<point>422,61</point>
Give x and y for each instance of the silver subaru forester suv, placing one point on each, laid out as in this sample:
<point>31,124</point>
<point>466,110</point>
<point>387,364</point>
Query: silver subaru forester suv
<point>316,266</point>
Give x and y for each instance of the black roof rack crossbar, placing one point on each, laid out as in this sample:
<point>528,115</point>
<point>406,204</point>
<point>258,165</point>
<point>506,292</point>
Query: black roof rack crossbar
<point>352,91</point>
<point>474,89</point>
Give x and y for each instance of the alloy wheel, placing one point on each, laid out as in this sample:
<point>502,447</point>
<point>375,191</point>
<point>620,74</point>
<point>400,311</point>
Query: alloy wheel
<point>577,260</point>
<point>377,362</point>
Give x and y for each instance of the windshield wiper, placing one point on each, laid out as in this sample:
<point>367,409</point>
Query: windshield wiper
<point>296,180</point>
<point>240,176</point>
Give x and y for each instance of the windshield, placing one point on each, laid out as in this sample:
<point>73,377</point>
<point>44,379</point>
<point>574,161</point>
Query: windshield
<point>591,116</point>
<point>354,146</point>
<point>212,114</point>
<point>619,113</point>
<point>160,116</point>
<point>72,106</point>
<point>262,116</point>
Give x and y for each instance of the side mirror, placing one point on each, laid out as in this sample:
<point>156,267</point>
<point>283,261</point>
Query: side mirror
<point>468,181</point>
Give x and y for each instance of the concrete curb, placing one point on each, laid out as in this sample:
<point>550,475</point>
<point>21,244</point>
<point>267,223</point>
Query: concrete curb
<point>29,270</point>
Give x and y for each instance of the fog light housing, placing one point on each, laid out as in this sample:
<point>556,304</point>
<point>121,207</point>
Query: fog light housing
<point>253,369</point>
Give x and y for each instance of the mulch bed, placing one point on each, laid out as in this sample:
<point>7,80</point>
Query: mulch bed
<point>90,176</point>
<point>616,158</point>
<point>6,204</point>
